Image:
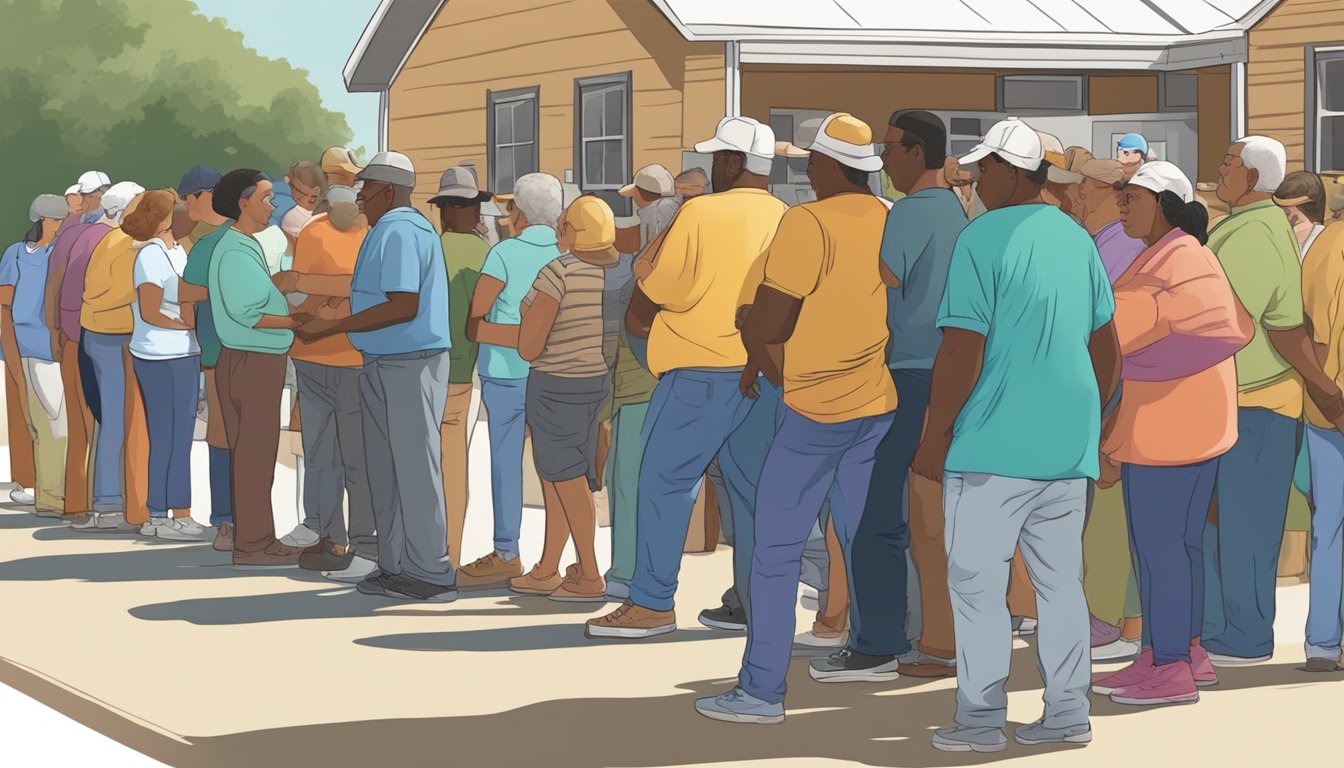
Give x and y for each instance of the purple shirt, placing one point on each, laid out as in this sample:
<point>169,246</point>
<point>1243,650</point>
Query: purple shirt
<point>1118,250</point>
<point>71,252</point>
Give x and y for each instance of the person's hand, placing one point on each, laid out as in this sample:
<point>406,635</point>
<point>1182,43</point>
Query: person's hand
<point>643,268</point>
<point>312,329</point>
<point>287,281</point>
<point>332,309</point>
<point>1110,473</point>
<point>748,386</point>
<point>953,174</point>
<point>743,312</point>
<point>57,346</point>
<point>931,458</point>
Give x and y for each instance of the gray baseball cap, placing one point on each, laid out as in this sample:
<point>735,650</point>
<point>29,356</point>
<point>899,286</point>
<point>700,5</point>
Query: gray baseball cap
<point>460,182</point>
<point>390,168</point>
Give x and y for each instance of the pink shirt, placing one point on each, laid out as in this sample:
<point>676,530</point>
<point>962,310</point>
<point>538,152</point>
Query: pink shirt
<point>71,252</point>
<point>1176,292</point>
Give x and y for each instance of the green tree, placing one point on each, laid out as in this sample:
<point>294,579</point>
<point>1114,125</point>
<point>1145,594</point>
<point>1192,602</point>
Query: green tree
<point>142,90</point>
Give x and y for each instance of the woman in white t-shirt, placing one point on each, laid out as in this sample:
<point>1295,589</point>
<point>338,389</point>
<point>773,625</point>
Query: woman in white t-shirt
<point>167,364</point>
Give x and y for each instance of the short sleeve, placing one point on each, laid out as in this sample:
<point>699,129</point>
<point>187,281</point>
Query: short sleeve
<point>1284,310</point>
<point>674,281</point>
<point>550,282</point>
<point>903,240</point>
<point>197,270</point>
<point>968,301</point>
<point>399,271</point>
<point>1103,296</point>
<point>306,248</point>
<point>794,262</point>
<point>152,267</point>
<point>495,266</point>
<point>9,266</point>
<point>241,287</point>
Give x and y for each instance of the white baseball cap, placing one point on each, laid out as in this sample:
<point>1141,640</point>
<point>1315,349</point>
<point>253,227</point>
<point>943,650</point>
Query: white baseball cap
<point>743,134</point>
<point>654,179</point>
<point>849,140</point>
<point>1012,140</point>
<point>89,182</point>
<point>1161,176</point>
<point>390,168</point>
<point>118,196</point>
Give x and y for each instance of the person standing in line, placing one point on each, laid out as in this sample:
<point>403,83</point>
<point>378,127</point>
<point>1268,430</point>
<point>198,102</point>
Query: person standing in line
<point>510,269</point>
<point>686,303</point>
<point>1028,349</point>
<point>253,323</point>
<point>1132,152</point>
<point>399,320</point>
<point>84,199</point>
<point>917,243</point>
<point>690,183</point>
<point>338,163</point>
<point>1179,325</point>
<point>459,201</point>
<point>839,397</point>
<point>167,364</point>
<point>309,185</point>
<point>23,275</point>
<point>327,375</point>
<point>656,204</point>
<point>1256,247</point>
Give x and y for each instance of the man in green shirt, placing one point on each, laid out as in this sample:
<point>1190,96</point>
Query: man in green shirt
<point>255,332</point>
<point>459,202</point>
<point>1257,249</point>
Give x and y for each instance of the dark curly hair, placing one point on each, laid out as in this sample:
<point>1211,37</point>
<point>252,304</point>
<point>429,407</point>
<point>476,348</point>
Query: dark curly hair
<point>233,187</point>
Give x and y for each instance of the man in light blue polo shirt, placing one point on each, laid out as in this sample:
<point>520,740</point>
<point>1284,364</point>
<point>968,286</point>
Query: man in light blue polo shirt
<point>399,321</point>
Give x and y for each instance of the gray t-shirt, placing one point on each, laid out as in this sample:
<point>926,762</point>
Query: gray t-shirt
<point>917,247</point>
<point>656,218</point>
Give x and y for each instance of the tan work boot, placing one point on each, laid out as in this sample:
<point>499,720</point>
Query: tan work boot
<point>576,589</point>
<point>632,622</point>
<point>535,583</point>
<point>488,572</point>
<point>223,538</point>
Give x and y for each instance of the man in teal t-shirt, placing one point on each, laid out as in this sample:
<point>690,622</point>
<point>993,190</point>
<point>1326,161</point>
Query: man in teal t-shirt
<point>1013,433</point>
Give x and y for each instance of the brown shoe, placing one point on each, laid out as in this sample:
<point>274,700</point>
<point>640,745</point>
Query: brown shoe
<point>632,622</point>
<point>275,556</point>
<point>321,546</point>
<point>223,538</point>
<point>576,589</point>
<point>928,670</point>
<point>535,583</point>
<point>489,572</point>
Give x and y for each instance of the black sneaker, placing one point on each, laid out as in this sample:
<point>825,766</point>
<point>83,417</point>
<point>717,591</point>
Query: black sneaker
<point>372,585</point>
<point>724,618</point>
<point>411,588</point>
<point>327,559</point>
<point>849,666</point>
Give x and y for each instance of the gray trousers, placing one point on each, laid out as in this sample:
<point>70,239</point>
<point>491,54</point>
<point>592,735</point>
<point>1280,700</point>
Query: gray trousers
<point>987,517</point>
<point>403,398</point>
<point>333,457</point>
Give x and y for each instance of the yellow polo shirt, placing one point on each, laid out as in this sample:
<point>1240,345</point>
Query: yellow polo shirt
<point>109,286</point>
<point>710,250</point>
<point>826,253</point>
<point>1323,305</point>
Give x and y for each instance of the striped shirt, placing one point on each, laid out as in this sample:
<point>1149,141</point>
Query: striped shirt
<point>574,346</point>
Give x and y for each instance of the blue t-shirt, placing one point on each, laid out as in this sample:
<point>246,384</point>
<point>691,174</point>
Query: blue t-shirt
<point>1031,282</point>
<point>917,247</point>
<point>402,254</point>
<point>26,270</point>
<point>515,263</point>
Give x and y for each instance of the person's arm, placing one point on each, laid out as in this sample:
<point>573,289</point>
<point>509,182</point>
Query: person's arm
<point>664,275</point>
<point>9,343</point>
<point>52,300</point>
<point>627,239</point>
<point>1104,349</point>
<point>538,319</point>
<point>956,370</point>
<point>770,323</point>
<point>314,285</point>
<point>238,278</point>
<point>1296,348</point>
<point>151,309</point>
<point>488,289</point>
<point>190,293</point>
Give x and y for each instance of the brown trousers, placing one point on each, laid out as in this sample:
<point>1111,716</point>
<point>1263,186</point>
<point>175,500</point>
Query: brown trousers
<point>79,433</point>
<point>135,453</point>
<point>22,469</point>
<point>453,433</point>
<point>930,557</point>
<point>250,386</point>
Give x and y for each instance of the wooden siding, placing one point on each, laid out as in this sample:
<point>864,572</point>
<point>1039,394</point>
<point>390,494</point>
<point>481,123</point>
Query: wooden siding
<point>437,106</point>
<point>1275,72</point>
<point>1215,119</point>
<point>1121,94</point>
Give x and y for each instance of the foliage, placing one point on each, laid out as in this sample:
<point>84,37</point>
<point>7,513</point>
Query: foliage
<point>142,90</point>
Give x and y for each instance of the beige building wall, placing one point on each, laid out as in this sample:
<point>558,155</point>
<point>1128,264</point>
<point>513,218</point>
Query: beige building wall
<point>1275,72</point>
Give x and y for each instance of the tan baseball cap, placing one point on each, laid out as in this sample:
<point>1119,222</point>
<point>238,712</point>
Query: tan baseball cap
<point>340,159</point>
<point>654,179</point>
<point>1104,170</point>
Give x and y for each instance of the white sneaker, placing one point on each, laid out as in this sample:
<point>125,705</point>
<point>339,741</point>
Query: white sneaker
<point>356,572</point>
<point>1025,626</point>
<point>23,497</point>
<point>812,640</point>
<point>810,600</point>
<point>104,522</point>
<point>1120,650</point>
<point>154,526</point>
<point>182,529</point>
<point>302,536</point>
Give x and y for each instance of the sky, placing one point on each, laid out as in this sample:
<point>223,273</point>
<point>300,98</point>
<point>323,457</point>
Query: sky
<point>316,35</point>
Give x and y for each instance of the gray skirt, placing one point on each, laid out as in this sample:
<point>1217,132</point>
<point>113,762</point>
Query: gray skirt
<point>562,415</point>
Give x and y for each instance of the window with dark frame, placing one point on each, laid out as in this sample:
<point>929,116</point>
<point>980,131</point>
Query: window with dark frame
<point>1042,94</point>
<point>602,147</point>
<point>511,133</point>
<point>1326,114</point>
<point>1179,91</point>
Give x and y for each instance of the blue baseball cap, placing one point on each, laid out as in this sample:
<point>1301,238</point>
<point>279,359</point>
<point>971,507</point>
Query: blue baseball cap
<point>202,178</point>
<point>1133,142</point>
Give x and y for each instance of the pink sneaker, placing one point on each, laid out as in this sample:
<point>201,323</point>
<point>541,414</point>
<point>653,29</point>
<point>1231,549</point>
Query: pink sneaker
<point>1172,683</point>
<point>1201,666</point>
<point>1138,671</point>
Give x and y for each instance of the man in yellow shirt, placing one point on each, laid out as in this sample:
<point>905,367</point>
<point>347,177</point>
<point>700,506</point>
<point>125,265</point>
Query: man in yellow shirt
<point>839,398</point>
<point>686,305</point>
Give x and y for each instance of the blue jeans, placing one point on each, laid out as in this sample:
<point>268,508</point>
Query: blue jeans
<point>1241,553</point>
<point>692,415</point>
<point>221,486</point>
<point>741,462</point>
<point>1325,610</point>
<point>106,353</point>
<point>808,461</point>
<point>89,381</point>
<point>505,406</point>
<point>1167,508</point>
<point>170,390</point>
<point>878,569</point>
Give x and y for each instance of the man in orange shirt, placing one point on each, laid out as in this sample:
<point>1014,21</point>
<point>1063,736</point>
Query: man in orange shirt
<point>327,372</point>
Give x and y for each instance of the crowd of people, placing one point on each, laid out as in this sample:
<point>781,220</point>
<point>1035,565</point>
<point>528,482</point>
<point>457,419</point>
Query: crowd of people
<point>943,387</point>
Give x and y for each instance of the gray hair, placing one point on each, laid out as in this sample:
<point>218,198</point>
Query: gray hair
<point>540,197</point>
<point>692,176</point>
<point>1267,157</point>
<point>117,197</point>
